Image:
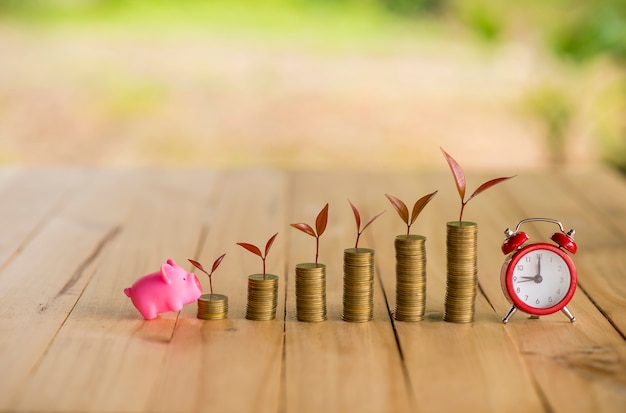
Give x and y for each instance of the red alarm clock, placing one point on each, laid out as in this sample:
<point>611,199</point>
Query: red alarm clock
<point>538,278</point>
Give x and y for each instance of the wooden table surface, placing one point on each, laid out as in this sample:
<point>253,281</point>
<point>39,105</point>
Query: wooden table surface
<point>71,341</point>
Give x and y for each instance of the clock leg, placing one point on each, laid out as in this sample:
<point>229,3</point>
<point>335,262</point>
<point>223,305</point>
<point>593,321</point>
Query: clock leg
<point>508,315</point>
<point>568,314</point>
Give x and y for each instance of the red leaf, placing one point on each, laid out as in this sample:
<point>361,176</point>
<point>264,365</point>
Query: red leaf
<point>457,172</point>
<point>357,216</point>
<point>420,204</point>
<point>197,265</point>
<point>269,243</point>
<point>306,228</point>
<point>217,263</point>
<point>252,248</point>
<point>400,206</point>
<point>371,220</point>
<point>321,221</point>
<point>488,185</point>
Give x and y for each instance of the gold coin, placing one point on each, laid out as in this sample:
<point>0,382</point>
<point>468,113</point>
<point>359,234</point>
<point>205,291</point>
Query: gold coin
<point>212,307</point>
<point>262,297</point>
<point>410,277</point>
<point>311,292</point>
<point>461,266</point>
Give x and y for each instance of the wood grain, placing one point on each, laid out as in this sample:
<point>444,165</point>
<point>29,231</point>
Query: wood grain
<point>70,340</point>
<point>335,365</point>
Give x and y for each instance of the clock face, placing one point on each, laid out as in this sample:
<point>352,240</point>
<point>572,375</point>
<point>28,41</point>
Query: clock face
<point>540,279</point>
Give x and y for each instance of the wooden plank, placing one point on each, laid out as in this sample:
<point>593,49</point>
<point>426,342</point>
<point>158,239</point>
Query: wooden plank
<point>41,285</point>
<point>232,365</point>
<point>71,341</point>
<point>336,365</point>
<point>106,357</point>
<point>451,367</point>
<point>602,191</point>
<point>548,343</point>
<point>29,197</point>
<point>602,269</point>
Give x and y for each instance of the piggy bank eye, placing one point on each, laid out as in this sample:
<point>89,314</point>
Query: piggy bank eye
<point>184,278</point>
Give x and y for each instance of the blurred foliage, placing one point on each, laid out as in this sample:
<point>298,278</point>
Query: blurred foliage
<point>591,28</point>
<point>610,118</point>
<point>413,7</point>
<point>130,98</point>
<point>552,107</point>
<point>483,18</point>
<point>574,31</point>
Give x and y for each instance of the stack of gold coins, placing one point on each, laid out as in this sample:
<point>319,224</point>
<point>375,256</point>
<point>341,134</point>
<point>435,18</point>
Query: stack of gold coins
<point>358,284</point>
<point>262,297</point>
<point>311,292</point>
<point>410,277</point>
<point>461,282</point>
<point>212,307</point>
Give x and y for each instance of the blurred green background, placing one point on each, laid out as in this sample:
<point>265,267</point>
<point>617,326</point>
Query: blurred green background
<point>368,84</point>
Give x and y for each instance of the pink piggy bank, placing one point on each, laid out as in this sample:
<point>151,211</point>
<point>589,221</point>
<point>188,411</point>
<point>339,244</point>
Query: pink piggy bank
<point>165,290</point>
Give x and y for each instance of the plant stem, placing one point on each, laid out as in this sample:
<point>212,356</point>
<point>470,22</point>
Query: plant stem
<point>317,249</point>
<point>263,258</point>
<point>356,244</point>
<point>461,214</point>
<point>211,283</point>
<point>408,230</point>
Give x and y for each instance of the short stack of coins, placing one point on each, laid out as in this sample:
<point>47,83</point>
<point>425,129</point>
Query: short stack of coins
<point>410,277</point>
<point>262,297</point>
<point>358,285</point>
<point>461,281</point>
<point>212,307</point>
<point>311,292</point>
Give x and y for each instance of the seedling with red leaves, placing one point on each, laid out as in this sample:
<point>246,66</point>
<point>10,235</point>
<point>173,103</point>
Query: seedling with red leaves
<point>403,211</point>
<point>255,250</point>
<point>357,218</point>
<point>320,227</point>
<point>459,180</point>
<point>216,264</point>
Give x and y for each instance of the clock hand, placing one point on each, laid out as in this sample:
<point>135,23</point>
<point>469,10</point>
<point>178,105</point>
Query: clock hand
<point>537,279</point>
<point>538,265</point>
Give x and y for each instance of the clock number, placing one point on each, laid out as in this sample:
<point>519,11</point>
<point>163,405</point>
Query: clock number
<point>537,301</point>
<point>550,299</point>
<point>561,280</point>
<point>520,267</point>
<point>515,278</point>
<point>558,291</point>
<point>528,259</point>
<point>526,297</point>
<point>518,290</point>
<point>559,268</point>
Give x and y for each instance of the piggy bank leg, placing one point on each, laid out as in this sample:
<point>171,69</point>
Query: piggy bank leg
<point>176,305</point>
<point>148,313</point>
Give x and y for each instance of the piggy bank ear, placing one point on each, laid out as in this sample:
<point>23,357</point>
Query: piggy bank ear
<point>171,262</point>
<point>166,270</point>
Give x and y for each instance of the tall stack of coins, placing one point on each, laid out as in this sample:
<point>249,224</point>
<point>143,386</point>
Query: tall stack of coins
<point>410,277</point>
<point>212,307</point>
<point>262,297</point>
<point>462,272</point>
<point>311,292</point>
<point>358,284</point>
